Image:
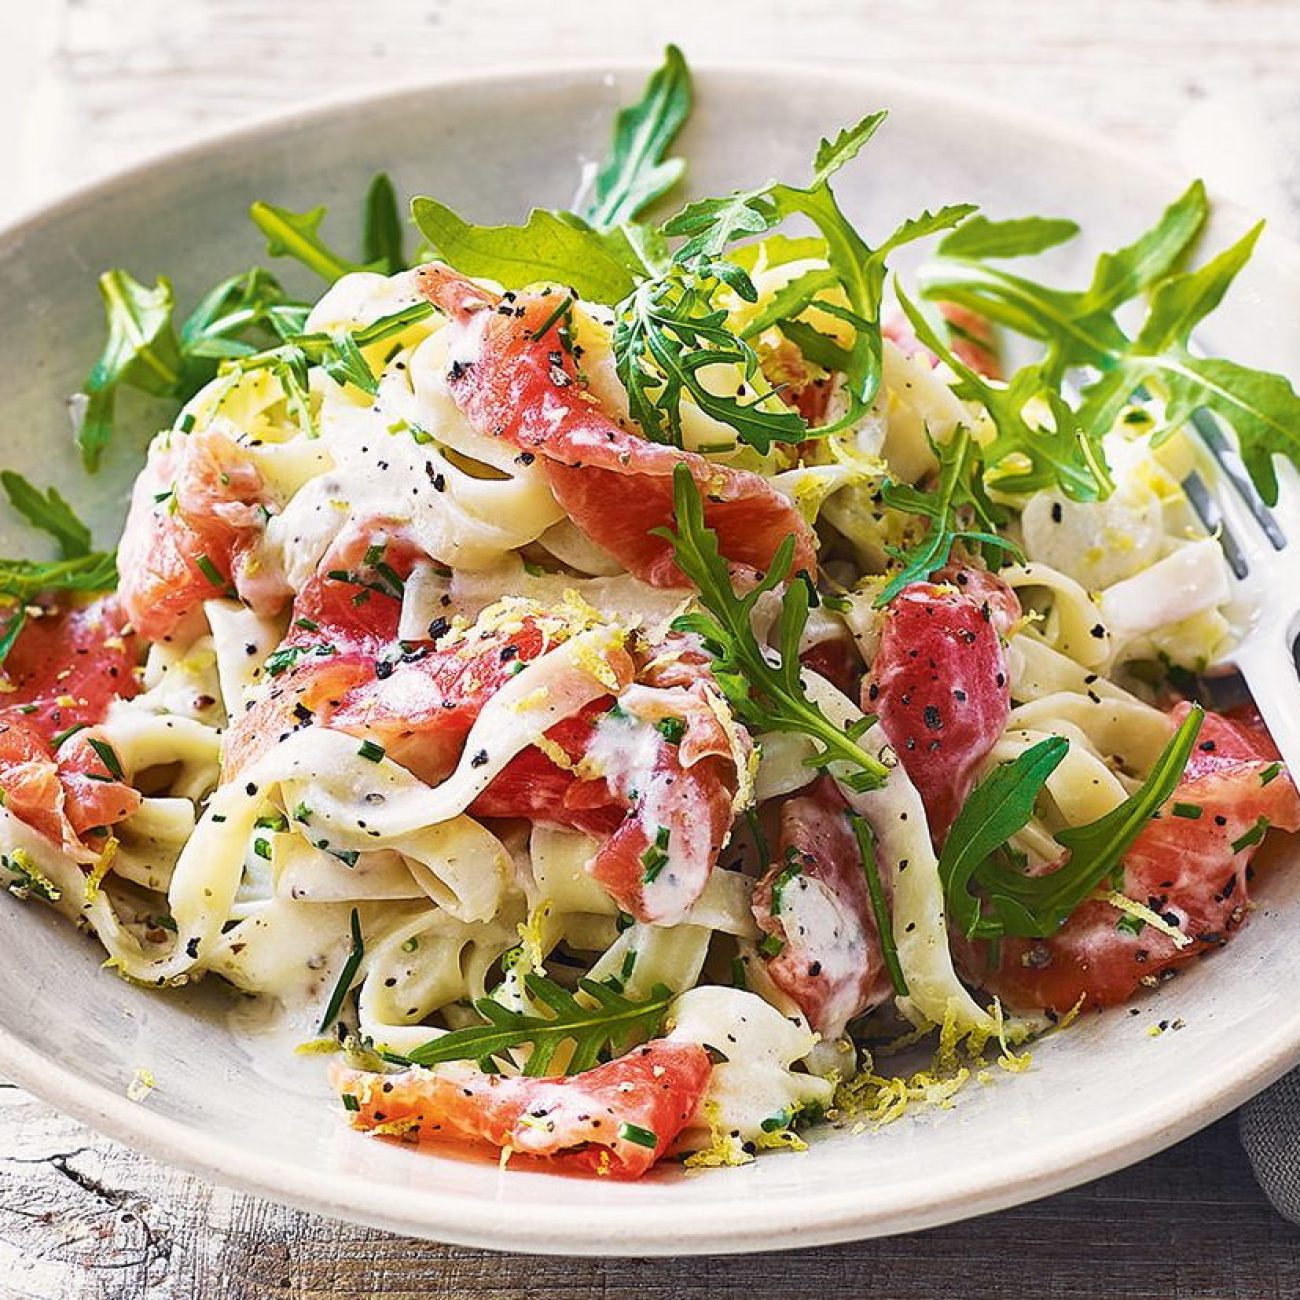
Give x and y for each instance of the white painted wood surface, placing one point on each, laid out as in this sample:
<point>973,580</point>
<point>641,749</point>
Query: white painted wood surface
<point>86,85</point>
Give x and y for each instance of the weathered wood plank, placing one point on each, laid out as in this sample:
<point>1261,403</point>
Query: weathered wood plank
<point>81,1217</point>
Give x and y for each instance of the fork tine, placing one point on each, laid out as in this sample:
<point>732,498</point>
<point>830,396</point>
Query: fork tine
<point>1252,538</point>
<point>1211,516</point>
<point>1230,463</point>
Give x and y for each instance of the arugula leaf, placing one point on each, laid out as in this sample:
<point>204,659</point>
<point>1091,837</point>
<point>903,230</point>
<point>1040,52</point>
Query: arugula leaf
<point>1020,237</point>
<point>1037,906</point>
<point>78,569</point>
<point>382,234</point>
<point>1067,454</point>
<point>49,512</point>
<point>12,631</point>
<point>145,352</point>
<point>1079,327</point>
<point>999,807</point>
<point>297,235</point>
<point>668,332</point>
<point>958,495</point>
<point>24,580</point>
<point>548,246</point>
<point>766,691</point>
<point>635,172</point>
<point>216,329</point>
<point>659,347</point>
<point>141,352</point>
<point>611,1023</point>
<point>831,155</point>
<point>859,268</point>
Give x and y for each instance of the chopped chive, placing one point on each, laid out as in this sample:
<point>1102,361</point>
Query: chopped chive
<point>771,945</point>
<point>1252,836</point>
<point>411,944</point>
<point>262,848</point>
<point>58,740</point>
<point>1130,924</point>
<point>302,813</point>
<point>374,554</point>
<point>655,857</point>
<point>306,624</point>
<point>346,975</point>
<point>210,571</point>
<point>108,756</point>
<point>369,750</point>
<point>163,923</point>
<point>392,578</point>
<point>350,1102</point>
<point>186,423</point>
<point>642,1137</point>
<point>629,963</point>
<point>1270,773</point>
<point>788,874</point>
<point>705,448</point>
<point>566,305</point>
<point>774,1123</point>
<point>272,822</point>
<point>738,977</point>
<point>1192,811</point>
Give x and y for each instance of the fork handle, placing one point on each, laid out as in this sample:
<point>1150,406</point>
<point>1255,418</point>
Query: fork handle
<point>1269,667</point>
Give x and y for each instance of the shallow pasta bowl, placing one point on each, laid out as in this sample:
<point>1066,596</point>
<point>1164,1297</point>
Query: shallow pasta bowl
<point>238,1107</point>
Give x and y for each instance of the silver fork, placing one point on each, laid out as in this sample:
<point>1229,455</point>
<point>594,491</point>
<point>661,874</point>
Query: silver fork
<point>1261,545</point>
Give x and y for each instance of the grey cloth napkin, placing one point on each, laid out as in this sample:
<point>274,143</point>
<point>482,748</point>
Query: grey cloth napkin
<point>1247,147</point>
<point>1270,1131</point>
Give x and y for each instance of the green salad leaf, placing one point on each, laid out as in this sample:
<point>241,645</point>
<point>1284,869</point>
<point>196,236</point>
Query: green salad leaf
<point>609,1023</point>
<point>1020,237</point>
<point>635,172</point>
<point>145,352</point>
<point>765,690</point>
<point>297,235</point>
<point>1027,454</point>
<point>1081,329</point>
<point>957,510</point>
<point>381,236</point>
<point>50,512</point>
<point>1018,905</point>
<point>551,246</point>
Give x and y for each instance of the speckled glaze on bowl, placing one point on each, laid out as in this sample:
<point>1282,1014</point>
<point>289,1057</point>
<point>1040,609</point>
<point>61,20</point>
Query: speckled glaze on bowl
<point>230,1105</point>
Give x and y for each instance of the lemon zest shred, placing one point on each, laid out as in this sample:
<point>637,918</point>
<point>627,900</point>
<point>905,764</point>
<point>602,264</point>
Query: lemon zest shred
<point>31,877</point>
<point>103,865</point>
<point>723,1150</point>
<point>555,752</point>
<point>1131,907</point>
<point>1012,1062</point>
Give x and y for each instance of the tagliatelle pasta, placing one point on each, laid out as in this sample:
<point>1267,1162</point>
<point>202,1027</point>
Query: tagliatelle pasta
<point>615,683</point>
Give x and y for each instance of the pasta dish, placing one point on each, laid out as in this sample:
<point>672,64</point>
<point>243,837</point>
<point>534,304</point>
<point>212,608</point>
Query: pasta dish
<point>617,682</point>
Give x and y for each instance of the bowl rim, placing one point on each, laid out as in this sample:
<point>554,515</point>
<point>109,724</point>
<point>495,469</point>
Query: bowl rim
<point>740,1223</point>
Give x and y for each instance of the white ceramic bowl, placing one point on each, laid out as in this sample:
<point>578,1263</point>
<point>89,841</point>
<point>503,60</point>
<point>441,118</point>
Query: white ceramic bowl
<point>233,1107</point>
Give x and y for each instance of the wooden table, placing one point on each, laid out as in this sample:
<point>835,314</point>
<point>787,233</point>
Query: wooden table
<point>88,84</point>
